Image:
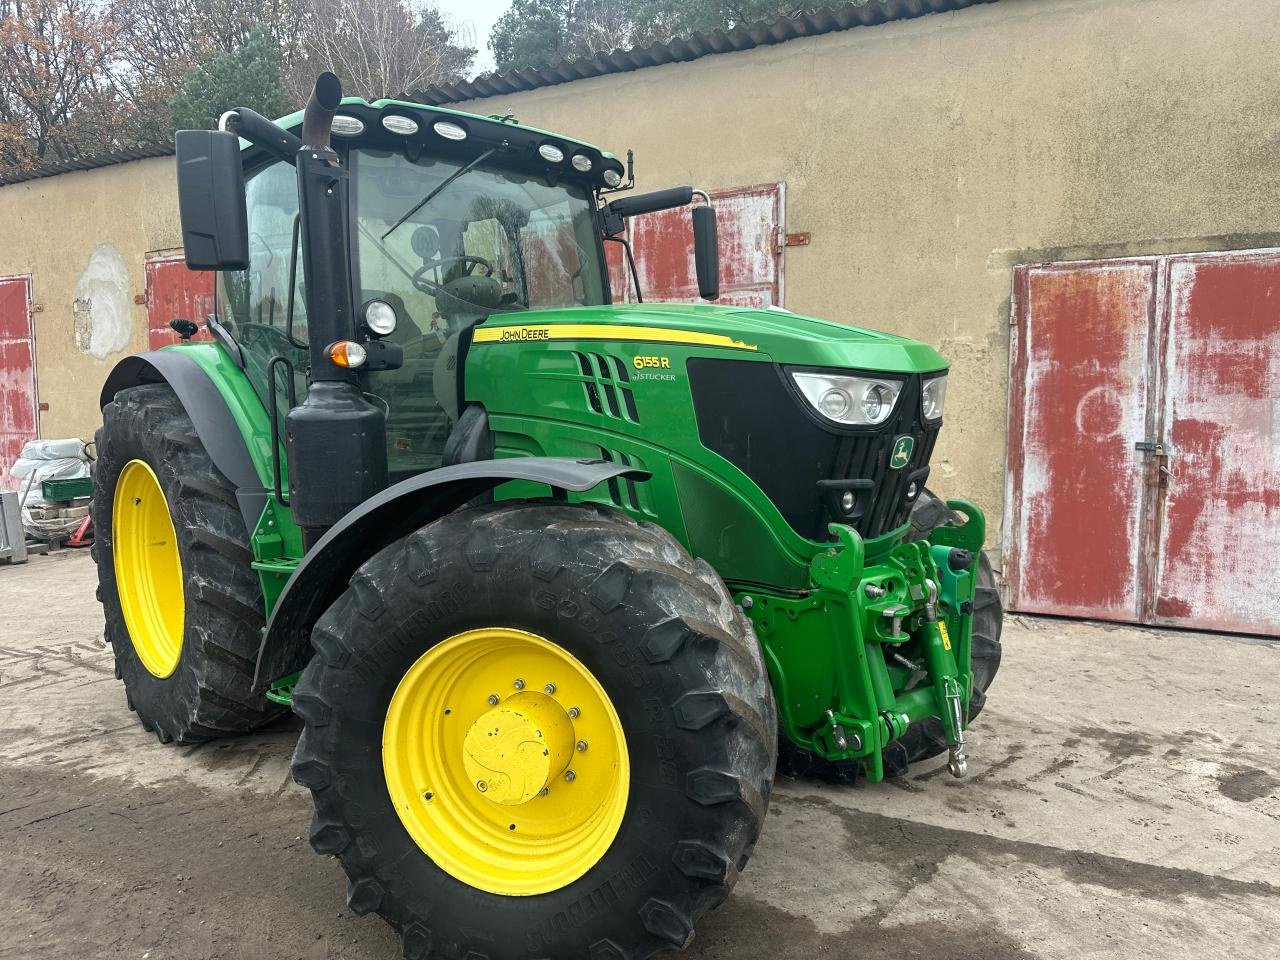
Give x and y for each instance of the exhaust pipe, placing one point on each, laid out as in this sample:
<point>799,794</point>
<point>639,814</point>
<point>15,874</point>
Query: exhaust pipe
<point>317,119</point>
<point>335,439</point>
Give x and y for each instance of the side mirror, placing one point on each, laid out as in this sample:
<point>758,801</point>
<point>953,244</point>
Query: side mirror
<point>215,231</point>
<point>706,251</point>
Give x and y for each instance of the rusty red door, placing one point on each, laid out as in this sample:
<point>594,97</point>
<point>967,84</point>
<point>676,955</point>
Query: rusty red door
<point>1144,442</point>
<point>18,414</point>
<point>1080,377</point>
<point>174,291</point>
<point>1220,533</point>
<point>749,225</point>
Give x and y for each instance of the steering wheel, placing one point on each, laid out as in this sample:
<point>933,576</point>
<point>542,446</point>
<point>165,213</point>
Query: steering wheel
<point>421,282</point>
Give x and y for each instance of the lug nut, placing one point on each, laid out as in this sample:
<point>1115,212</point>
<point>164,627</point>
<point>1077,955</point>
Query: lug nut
<point>570,776</point>
<point>549,689</point>
<point>427,795</point>
<point>748,603</point>
<point>493,699</point>
<point>544,791</point>
<point>574,713</point>
<point>481,786</point>
<point>582,746</point>
<point>519,684</point>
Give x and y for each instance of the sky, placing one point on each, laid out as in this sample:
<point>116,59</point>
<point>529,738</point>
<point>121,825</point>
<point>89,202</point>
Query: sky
<point>475,18</point>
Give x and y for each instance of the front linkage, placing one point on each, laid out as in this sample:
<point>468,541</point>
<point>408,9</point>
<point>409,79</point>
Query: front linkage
<point>875,644</point>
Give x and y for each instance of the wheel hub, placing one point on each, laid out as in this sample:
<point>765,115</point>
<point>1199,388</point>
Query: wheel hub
<point>506,762</point>
<point>514,750</point>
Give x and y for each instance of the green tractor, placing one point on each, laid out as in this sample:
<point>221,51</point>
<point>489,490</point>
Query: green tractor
<point>554,583</point>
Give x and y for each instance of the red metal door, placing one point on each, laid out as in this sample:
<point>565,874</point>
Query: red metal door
<point>1220,535</point>
<point>174,291</point>
<point>18,416</point>
<point>749,224</point>
<point>1180,355</point>
<point>1078,400</point>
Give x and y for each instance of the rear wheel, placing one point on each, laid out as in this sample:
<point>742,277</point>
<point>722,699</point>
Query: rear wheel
<point>183,607</point>
<point>535,730</point>
<point>927,739</point>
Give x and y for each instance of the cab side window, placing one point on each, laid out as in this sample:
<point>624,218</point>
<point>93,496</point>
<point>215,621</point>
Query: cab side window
<point>253,303</point>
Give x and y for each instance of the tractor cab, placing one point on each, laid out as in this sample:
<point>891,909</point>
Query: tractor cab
<point>453,218</point>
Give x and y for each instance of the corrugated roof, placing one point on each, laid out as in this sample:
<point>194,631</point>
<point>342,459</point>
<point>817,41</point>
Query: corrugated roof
<point>863,13</point>
<point>86,163</point>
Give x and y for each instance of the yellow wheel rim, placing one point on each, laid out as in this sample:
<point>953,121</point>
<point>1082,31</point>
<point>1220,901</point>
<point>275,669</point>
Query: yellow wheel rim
<point>506,761</point>
<point>148,568</point>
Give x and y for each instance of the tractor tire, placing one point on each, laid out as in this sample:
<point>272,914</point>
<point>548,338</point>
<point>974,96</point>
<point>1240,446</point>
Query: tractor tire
<point>183,607</point>
<point>921,740</point>
<point>531,610</point>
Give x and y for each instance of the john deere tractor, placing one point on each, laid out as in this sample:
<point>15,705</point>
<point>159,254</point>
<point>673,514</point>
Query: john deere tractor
<point>553,582</point>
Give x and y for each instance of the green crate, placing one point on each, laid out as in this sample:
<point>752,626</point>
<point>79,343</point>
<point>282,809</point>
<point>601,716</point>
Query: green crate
<point>58,490</point>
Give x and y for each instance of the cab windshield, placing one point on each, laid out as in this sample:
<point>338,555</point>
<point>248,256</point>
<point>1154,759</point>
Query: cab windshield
<point>491,241</point>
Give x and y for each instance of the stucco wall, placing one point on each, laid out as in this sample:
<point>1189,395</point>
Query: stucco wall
<point>927,157</point>
<point>83,238</point>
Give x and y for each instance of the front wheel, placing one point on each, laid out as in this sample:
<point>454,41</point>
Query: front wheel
<point>183,606</point>
<point>536,729</point>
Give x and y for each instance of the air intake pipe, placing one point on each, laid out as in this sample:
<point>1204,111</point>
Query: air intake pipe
<point>336,439</point>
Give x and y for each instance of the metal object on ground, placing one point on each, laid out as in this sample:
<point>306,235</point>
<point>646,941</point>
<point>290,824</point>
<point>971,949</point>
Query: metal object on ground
<point>13,539</point>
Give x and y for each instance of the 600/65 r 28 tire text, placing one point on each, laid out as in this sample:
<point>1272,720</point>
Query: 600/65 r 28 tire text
<point>536,730</point>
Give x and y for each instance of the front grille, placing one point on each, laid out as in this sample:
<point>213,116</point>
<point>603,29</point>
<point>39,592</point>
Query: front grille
<point>749,414</point>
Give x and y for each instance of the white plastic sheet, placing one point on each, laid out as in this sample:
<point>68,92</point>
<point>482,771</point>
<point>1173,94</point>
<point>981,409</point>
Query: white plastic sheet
<point>43,460</point>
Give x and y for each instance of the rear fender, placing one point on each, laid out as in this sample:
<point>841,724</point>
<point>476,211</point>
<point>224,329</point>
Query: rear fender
<point>327,568</point>
<point>211,415</point>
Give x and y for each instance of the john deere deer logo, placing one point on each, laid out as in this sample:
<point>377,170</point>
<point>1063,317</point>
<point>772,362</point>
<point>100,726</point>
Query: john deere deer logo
<point>901,455</point>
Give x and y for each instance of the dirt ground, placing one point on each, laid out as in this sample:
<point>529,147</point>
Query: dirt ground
<point>1123,801</point>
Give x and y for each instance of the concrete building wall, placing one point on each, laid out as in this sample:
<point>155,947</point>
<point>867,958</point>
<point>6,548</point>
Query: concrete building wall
<point>83,238</point>
<point>927,157</point>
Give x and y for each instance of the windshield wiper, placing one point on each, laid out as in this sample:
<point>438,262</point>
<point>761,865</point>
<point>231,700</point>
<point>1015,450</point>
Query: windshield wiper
<point>438,190</point>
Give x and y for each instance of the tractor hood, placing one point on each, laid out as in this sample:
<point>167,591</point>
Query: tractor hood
<point>782,336</point>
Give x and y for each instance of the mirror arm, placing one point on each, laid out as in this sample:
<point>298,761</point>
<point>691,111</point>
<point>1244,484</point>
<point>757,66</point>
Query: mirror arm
<point>261,132</point>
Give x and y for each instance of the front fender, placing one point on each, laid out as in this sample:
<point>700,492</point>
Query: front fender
<point>227,416</point>
<point>326,569</point>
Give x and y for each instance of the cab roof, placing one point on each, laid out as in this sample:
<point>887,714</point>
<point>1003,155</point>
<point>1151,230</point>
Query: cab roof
<point>517,143</point>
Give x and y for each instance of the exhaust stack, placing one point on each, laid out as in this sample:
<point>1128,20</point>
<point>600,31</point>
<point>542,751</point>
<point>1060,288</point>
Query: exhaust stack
<point>336,439</point>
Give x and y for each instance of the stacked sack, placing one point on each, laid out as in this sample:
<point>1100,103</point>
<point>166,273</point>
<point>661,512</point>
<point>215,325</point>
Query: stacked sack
<point>43,460</point>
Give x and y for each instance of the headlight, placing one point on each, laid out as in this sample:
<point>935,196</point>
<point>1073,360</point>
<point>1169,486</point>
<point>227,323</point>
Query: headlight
<point>935,393</point>
<point>856,401</point>
<point>406,126</point>
<point>380,317</point>
<point>450,131</point>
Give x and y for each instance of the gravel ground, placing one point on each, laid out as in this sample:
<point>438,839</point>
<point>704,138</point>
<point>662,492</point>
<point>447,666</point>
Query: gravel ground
<point>1123,801</point>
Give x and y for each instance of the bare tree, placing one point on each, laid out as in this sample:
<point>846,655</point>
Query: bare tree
<point>378,48</point>
<point>56,58</point>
